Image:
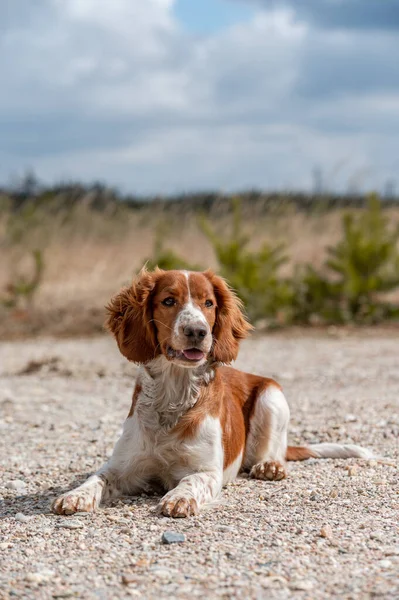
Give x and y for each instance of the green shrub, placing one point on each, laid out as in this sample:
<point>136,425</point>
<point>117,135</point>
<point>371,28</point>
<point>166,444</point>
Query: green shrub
<point>21,224</point>
<point>358,270</point>
<point>362,266</point>
<point>253,274</point>
<point>165,258</point>
<point>365,262</point>
<point>21,290</point>
<point>314,298</point>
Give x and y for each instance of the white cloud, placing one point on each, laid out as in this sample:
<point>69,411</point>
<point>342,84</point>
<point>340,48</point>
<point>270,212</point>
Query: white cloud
<point>119,91</point>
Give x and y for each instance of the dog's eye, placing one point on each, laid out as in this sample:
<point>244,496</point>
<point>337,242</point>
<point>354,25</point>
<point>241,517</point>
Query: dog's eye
<point>208,303</point>
<point>169,301</point>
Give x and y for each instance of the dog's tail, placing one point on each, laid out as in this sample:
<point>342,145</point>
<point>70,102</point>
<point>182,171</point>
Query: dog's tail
<point>328,451</point>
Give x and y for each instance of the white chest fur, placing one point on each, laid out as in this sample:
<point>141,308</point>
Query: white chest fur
<point>167,392</point>
<point>148,448</point>
<point>143,454</point>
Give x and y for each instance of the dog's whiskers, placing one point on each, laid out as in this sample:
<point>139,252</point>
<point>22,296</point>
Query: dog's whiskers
<point>158,321</point>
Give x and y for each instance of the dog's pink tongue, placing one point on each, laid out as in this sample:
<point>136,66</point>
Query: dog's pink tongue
<point>193,354</point>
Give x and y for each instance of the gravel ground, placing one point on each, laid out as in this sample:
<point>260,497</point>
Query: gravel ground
<point>329,531</point>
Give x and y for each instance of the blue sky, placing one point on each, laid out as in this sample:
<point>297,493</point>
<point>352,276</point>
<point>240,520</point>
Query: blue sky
<point>167,96</point>
<point>209,16</point>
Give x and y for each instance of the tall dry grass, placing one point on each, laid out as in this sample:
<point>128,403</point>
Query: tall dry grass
<point>88,255</point>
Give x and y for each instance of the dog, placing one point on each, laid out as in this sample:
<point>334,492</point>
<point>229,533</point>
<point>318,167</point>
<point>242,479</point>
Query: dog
<point>195,422</point>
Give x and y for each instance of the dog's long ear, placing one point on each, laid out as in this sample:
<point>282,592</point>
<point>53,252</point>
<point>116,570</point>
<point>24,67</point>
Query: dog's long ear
<point>230,326</point>
<point>130,319</point>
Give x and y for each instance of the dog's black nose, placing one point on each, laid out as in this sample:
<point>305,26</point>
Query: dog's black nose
<point>193,332</point>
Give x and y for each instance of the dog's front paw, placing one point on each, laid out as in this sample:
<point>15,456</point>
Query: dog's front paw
<point>269,470</point>
<point>79,500</point>
<point>178,506</point>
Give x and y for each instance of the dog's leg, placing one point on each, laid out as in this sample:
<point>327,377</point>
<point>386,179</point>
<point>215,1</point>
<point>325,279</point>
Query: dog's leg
<point>267,438</point>
<point>199,474</point>
<point>87,497</point>
<point>123,474</point>
<point>190,494</point>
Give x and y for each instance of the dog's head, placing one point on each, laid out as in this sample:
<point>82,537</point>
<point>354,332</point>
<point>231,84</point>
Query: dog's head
<point>186,316</point>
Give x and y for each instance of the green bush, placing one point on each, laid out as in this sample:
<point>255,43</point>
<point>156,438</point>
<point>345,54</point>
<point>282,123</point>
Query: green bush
<point>313,297</point>
<point>20,227</point>
<point>21,290</point>
<point>365,262</point>
<point>165,258</point>
<point>254,275</point>
<point>362,266</point>
<point>351,285</point>
<point>358,270</point>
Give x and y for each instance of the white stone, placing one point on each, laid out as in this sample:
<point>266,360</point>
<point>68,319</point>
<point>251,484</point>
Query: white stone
<point>385,564</point>
<point>16,484</point>
<point>22,518</point>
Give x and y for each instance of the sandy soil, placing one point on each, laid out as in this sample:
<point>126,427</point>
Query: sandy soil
<point>329,531</point>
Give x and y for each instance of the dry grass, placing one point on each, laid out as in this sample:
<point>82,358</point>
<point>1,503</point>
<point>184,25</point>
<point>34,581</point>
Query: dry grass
<point>89,255</point>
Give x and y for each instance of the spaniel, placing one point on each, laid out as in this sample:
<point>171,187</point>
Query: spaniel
<point>194,422</point>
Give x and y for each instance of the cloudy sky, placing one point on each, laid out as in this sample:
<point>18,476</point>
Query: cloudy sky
<point>163,96</point>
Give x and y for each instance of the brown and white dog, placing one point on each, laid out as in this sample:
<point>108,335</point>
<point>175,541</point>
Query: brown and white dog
<point>194,423</point>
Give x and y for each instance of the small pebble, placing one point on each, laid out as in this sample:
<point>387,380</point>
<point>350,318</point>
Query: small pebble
<point>302,585</point>
<point>333,494</point>
<point>225,528</point>
<point>70,525</point>
<point>326,531</point>
<point>22,518</point>
<point>170,537</point>
<point>273,581</point>
<point>119,520</point>
<point>16,484</point>
<point>394,551</point>
<point>385,564</point>
<point>160,572</point>
<point>350,418</point>
<point>40,577</point>
<point>128,578</point>
<point>352,470</point>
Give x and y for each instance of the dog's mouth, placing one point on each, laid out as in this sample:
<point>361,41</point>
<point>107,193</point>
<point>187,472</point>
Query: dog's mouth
<point>191,355</point>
